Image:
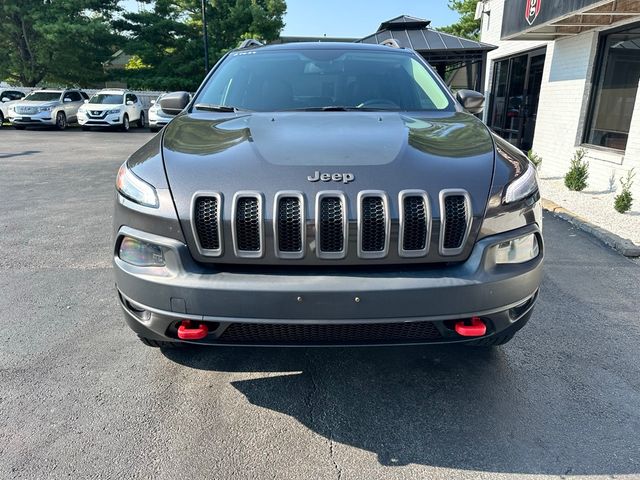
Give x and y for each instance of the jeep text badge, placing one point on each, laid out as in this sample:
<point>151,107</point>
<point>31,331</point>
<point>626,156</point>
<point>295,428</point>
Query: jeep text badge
<point>328,177</point>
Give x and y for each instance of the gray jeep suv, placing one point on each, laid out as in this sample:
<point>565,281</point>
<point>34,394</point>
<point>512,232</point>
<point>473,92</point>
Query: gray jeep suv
<point>316,194</point>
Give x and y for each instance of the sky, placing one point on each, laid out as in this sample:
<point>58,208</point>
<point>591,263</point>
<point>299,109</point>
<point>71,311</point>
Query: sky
<point>353,18</point>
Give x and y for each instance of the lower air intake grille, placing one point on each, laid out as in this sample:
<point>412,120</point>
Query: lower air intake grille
<point>455,221</point>
<point>374,224</point>
<point>331,225</point>
<point>289,224</point>
<point>206,221</point>
<point>251,333</point>
<point>415,224</point>
<point>248,224</point>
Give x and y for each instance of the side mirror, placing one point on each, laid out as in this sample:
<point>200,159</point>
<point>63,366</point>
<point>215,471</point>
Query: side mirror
<point>5,99</point>
<point>153,102</point>
<point>173,103</point>
<point>86,101</point>
<point>67,100</point>
<point>129,102</point>
<point>472,101</point>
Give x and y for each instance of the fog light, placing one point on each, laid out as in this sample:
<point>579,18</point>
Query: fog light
<point>141,254</point>
<point>519,250</point>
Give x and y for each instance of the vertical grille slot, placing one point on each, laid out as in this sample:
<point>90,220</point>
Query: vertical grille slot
<point>331,225</point>
<point>289,225</point>
<point>206,223</point>
<point>455,211</point>
<point>373,224</point>
<point>415,223</point>
<point>247,225</point>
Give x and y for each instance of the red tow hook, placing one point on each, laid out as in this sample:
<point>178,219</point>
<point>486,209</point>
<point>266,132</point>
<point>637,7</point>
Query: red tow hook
<point>471,328</point>
<point>187,332</point>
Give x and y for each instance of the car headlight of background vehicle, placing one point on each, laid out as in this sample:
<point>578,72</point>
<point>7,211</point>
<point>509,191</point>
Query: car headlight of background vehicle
<point>45,109</point>
<point>135,189</point>
<point>111,112</point>
<point>141,254</point>
<point>519,250</point>
<point>523,186</point>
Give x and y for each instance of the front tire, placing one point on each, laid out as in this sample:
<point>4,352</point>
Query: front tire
<point>154,129</point>
<point>125,123</point>
<point>1,119</point>
<point>61,121</point>
<point>141,120</point>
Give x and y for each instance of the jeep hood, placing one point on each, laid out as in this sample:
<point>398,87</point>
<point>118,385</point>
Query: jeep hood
<point>273,152</point>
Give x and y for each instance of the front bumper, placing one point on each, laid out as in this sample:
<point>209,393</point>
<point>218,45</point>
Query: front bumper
<point>41,118</point>
<point>111,120</point>
<point>155,300</point>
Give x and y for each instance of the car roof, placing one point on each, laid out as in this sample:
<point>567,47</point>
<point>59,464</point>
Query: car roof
<point>113,91</point>
<point>329,46</point>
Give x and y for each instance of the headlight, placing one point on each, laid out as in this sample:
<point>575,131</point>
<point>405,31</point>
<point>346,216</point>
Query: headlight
<point>141,254</point>
<point>523,186</point>
<point>520,250</point>
<point>45,109</point>
<point>111,112</point>
<point>12,108</point>
<point>82,110</point>
<point>135,189</point>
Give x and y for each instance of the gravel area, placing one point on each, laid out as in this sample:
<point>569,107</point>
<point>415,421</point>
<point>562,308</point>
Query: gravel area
<point>596,207</point>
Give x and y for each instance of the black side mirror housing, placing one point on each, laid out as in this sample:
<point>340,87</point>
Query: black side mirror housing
<point>472,101</point>
<point>173,103</point>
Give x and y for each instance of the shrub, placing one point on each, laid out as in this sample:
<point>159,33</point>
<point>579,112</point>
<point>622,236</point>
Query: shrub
<point>576,177</point>
<point>624,201</point>
<point>535,159</point>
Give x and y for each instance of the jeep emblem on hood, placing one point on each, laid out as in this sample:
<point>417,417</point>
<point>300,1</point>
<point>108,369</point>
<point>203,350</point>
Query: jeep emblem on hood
<point>328,177</point>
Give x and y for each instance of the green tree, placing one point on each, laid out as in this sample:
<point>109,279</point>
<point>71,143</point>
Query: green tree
<point>57,41</point>
<point>466,26</point>
<point>167,38</point>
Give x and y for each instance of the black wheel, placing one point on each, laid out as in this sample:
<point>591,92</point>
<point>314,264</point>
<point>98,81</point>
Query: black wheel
<point>154,129</point>
<point>1,119</point>
<point>141,120</point>
<point>125,123</point>
<point>494,341</point>
<point>61,121</point>
<point>160,344</point>
<point>19,127</point>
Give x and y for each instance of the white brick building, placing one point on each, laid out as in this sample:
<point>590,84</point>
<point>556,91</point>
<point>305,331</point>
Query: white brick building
<point>578,62</point>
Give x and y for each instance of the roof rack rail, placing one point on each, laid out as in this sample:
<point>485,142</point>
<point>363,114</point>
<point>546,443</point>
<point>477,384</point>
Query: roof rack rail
<point>250,43</point>
<point>391,42</point>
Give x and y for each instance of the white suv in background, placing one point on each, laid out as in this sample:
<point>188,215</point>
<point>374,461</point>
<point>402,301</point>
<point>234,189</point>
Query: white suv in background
<point>112,108</point>
<point>8,98</point>
<point>55,108</point>
<point>158,118</point>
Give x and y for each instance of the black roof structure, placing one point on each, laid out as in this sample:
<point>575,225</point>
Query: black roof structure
<point>434,46</point>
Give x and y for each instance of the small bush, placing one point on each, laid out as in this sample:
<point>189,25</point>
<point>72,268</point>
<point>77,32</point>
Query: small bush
<point>535,159</point>
<point>624,201</point>
<point>576,177</point>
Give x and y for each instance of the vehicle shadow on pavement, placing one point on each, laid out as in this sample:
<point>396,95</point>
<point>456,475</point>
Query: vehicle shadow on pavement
<point>444,406</point>
<point>19,154</point>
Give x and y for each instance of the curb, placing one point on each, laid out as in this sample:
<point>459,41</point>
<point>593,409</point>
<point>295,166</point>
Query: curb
<point>624,246</point>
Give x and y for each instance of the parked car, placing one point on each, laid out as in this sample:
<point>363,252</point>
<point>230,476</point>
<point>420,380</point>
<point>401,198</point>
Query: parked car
<point>8,98</point>
<point>56,108</point>
<point>326,194</point>
<point>158,118</point>
<point>112,108</point>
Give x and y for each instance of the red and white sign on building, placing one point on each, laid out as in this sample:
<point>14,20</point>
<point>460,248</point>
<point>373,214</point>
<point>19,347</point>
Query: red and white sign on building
<point>532,11</point>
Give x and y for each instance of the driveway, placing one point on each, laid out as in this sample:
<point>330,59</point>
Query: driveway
<point>81,397</point>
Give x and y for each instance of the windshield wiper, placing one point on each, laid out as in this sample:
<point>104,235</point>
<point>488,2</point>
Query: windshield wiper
<point>217,108</point>
<point>340,108</point>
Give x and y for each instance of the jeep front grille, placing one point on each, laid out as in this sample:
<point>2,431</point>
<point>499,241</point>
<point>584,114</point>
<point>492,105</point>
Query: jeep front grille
<point>455,210</point>
<point>374,224</point>
<point>331,225</point>
<point>247,230</point>
<point>289,225</point>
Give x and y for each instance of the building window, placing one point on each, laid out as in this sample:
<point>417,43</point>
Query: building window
<point>614,93</point>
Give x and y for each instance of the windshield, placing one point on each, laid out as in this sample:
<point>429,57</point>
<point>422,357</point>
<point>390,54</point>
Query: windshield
<point>43,96</point>
<point>316,79</point>
<point>107,98</point>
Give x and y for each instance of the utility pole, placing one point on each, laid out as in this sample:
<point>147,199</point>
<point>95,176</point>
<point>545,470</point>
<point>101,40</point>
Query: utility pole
<point>205,37</point>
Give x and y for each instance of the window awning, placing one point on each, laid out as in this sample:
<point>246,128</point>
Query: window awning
<point>553,19</point>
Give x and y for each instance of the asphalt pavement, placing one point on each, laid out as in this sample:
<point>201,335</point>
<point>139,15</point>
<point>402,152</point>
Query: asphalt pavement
<point>81,397</point>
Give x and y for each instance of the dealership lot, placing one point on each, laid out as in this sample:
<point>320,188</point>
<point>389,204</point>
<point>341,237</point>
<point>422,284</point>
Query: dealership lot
<point>81,397</point>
